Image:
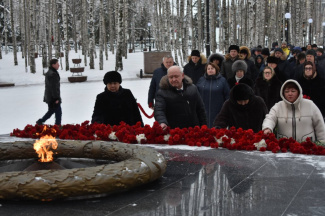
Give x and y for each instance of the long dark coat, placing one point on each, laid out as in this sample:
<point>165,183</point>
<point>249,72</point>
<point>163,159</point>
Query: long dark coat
<point>249,116</point>
<point>268,90</point>
<point>52,86</point>
<point>195,71</point>
<point>114,107</point>
<point>232,81</point>
<point>179,108</point>
<point>154,84</point>
<point>214,91</point>
<point>314,88</point>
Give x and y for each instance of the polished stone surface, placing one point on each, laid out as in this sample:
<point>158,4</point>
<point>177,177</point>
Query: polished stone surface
<point>208,182</point>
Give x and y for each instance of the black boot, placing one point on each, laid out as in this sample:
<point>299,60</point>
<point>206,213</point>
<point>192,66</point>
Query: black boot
<point>39,122</point>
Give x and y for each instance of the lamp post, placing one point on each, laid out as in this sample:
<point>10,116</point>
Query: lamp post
<point>323,24</point>
<point>287,17</point>
<point>310,20</point>
<point>149,24</point>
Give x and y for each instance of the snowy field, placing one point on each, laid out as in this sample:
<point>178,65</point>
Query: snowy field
<point>23,104</point>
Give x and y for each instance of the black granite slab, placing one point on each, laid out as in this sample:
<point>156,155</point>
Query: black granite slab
<point>208,182</point>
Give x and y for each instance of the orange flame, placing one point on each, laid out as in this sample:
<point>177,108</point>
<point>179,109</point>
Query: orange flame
<point>43,147</point>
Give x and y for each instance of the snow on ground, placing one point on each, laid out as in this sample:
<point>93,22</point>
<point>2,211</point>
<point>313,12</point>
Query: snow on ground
<point>23,104</point>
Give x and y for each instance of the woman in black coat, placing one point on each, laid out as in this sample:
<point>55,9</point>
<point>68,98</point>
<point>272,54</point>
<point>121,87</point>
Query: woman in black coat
<point>239,68</point>
<point>268,87</point>
<point>115,104</point>
<point>242,110</point>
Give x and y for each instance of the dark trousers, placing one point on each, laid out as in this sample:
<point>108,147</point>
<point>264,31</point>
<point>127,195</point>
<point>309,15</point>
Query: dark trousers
<point>53,109</point>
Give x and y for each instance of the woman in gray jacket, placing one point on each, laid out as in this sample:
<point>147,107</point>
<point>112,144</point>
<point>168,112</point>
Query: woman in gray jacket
<point>295,116</point>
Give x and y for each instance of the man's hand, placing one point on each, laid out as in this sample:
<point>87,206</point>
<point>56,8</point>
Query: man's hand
<point>163,126</point>
<point>151,106</point>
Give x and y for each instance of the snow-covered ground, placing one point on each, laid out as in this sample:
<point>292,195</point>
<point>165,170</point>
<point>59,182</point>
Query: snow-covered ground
<point>23,104</point>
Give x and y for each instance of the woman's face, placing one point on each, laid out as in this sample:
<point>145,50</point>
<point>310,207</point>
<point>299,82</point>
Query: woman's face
<point>240,73</point>
<point>267,74</point>
<point>259,60</point>
<point>211,70</point>
<point>308,70</point>
<point>216,62</point>
<point>113,86</point>
<point>291,94</point>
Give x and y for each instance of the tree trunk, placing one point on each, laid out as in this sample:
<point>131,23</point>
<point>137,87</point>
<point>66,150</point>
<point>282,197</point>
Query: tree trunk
<point>13,32</point>
<point>32,36</point>
<point>111,25</point>
<point>65,31</point>
<point>119,48</point>
<point>101,25</point>
<point>91,35</point>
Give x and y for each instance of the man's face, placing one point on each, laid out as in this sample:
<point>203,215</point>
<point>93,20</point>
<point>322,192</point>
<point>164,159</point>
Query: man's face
<point>308,47</point>
<point>319,53</point>
<point>283,45</point>
<point>315,48</point>
<point>257,52</point>
<point>272,65</point>
<point>242,102</point>
<point>278,54</point>
<point>233,53</point>
<point>56,66</point>
<point>175,77</point>
<point>301,61</point>
<point>195,59</point>
<point>244,55</point>
<point>168,62</point>
<point>310,58</point>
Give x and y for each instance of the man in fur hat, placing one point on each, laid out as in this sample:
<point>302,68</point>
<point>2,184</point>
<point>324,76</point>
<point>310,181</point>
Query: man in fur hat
<point>195,67</point>
<point>242,110</point>
<point>230,58</point>
<point>178,102</point>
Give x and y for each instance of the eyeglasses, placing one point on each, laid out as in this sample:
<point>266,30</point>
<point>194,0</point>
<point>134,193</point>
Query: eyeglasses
<point>267,73</point>
<point>308,68</point>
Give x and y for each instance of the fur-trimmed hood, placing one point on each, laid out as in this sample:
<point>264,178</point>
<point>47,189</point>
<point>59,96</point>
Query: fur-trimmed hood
<point>218,56</point>
<point>227,57</point>
<point>164,83</point>
<point>283,57</point>
<point>247,49</point>
<point>203,59</point>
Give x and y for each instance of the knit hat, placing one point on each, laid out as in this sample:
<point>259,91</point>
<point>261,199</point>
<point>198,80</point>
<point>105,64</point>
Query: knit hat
<point>311,52</point>
<point>265,51</point>
<point>112,76</point>
<point>233,47</point>
<point>272,59</point>
<point>239,65</point>
<point>195,53</point>
<point>278,50</point>
<point>284,42</point>
<point>259,49</point>
<point>242,92</point>
<point>296,50</point>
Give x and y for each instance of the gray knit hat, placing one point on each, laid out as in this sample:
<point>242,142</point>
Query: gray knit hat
<point>239,65</point>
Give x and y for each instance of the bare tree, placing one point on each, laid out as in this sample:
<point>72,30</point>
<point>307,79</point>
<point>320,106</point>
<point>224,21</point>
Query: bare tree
<point>119,48</point>
<point>65,31</point>
<point>13,32</point>
<point>32,36</point>
<point>101,26</point>
<point>91,35</point>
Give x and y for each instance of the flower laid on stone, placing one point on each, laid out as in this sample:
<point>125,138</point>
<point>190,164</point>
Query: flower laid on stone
<point>232,138</point>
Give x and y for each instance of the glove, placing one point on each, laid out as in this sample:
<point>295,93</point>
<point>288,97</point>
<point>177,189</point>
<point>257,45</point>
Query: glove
<point>150,105</point>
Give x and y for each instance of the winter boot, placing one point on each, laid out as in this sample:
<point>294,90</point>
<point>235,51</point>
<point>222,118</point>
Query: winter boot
<point>39,122</point>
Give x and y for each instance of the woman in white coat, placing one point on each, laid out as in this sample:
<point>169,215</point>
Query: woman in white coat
<point>295,116</point>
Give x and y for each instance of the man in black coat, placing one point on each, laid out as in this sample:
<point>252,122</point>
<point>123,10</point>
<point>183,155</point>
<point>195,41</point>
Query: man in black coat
<point>115,104</point>
<point>242,110</point>
<point>178,102</point>
<point>195,66</point>
<point>52,93</point>
<point>168,61</point>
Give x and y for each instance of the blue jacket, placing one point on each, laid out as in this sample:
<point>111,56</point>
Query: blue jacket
<point>154,84</point>
<point>214,91</point>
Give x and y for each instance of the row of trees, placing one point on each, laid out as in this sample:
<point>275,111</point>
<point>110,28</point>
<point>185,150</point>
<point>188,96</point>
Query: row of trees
<point>51,26</point>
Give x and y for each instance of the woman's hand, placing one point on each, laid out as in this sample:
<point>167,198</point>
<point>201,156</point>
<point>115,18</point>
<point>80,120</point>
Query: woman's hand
<point>267,131</point>
<point>163,126</point>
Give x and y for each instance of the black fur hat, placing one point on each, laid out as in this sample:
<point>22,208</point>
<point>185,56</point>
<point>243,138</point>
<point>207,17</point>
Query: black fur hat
<point>112,76</point>
<point>272,59</point>
<point>311,52</point>
<point>233,47</point>
<point>265,51</point>
<point>195,53</point>
<point>239,65</point>
<point>242,92</point>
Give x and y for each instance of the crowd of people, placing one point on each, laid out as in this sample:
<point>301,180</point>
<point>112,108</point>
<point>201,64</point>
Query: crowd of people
<point>278,91</point>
